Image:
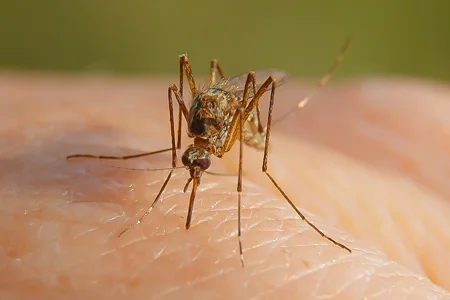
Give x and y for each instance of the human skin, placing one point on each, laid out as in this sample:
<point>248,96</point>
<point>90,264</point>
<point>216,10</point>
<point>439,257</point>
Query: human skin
<point>367,161</point>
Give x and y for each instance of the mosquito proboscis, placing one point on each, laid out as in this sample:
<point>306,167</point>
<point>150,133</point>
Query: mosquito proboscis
<point>222,112</point>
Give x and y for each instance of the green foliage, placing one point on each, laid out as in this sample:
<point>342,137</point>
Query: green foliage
<point>407,37</point>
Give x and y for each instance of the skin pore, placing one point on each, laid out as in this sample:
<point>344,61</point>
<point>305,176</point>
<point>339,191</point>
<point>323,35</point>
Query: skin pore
<point>366,161</point>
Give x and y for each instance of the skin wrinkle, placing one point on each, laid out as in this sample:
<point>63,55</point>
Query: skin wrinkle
<point>83,233</point>
<point>358,278</point>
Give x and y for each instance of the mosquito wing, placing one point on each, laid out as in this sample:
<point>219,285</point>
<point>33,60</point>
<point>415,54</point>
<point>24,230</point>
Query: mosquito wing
<point>261,76</point>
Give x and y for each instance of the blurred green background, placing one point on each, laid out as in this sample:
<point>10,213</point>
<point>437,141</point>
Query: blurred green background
<point>403,37</point>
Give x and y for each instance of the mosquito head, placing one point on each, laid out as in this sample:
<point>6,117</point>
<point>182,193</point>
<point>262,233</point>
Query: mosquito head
<point>197,160</point>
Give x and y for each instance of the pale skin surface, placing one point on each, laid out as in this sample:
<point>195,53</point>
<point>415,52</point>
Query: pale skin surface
<point>367,161</point>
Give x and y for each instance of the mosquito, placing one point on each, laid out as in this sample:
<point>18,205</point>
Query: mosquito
<point>220,113</point>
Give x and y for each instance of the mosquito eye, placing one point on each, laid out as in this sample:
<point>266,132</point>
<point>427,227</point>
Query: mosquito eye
<point>185,160</point>
<point>203,163</point>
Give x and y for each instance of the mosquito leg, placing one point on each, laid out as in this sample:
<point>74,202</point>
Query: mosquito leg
<point>180,119</point>
<point>239,185</point>
<point>322,82</point>
<point>258,115</point>
<point>251,106</point>
<point>186,67</point>
<point>184,64</point>
<point>257,96</point>
<point>174,165</point>
<point>173,88</point>
<point>180,112</point>
<point>253,103</point>
<point>232,132</point>
<point>258,111</point>
<point>264,169</point>
<point>251,80</point>
<point>172,127</point>
<point>215,68</point>
<point>147,212</point>
<point>183,109</point>
<point>237,123</point>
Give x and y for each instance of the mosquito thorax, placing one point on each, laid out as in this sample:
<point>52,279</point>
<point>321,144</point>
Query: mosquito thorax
<point>197,160</point>
<point>209,110</point>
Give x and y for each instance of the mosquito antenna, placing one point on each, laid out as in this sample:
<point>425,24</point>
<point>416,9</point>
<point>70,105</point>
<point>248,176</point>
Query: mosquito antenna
<point>322,82</point>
